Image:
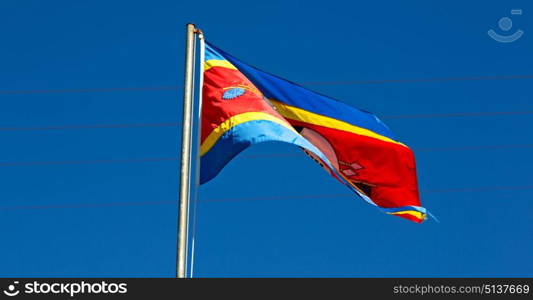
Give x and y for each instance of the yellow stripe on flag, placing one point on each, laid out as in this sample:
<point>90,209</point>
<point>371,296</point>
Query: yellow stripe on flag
<point>413,213</point>
<point>208,64</point>
<point>213,137</point>
<point>298,114</point>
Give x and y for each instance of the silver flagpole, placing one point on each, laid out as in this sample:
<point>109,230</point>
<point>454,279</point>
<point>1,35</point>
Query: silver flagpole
<point>186,150</point>
<point>197,162</point>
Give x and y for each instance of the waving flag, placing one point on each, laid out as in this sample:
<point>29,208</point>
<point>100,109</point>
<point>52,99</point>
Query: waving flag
<point>242,106</point>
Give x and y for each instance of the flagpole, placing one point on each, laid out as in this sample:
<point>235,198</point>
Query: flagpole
<point>186,150</point>
<point>197,160</point>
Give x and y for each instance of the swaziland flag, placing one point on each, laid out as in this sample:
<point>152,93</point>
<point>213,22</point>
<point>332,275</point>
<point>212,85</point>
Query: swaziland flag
<point>243,105</point>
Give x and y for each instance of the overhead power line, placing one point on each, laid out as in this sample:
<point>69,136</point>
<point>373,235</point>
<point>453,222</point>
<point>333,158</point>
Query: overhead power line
<point>176,124</point>
<point>414,80</point>
<point>468,148</point>
<point>426,149</point>
<point>339,195</point>
<point>95,126</point>
<point>266,198</point>
<point>460,114</point>
<point>89,90</point>
<point>252,156</point>
<point>309,83</point>
<point>84,205</point>
<point>86,162</point>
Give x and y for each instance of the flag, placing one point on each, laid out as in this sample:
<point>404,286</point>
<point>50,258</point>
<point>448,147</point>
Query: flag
<point>243,105</point>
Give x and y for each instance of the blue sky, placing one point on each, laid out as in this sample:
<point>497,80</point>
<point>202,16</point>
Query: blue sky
<point>119,219</point>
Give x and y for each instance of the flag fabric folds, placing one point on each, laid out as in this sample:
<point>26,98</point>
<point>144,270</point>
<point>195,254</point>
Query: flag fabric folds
<point>243,105</point>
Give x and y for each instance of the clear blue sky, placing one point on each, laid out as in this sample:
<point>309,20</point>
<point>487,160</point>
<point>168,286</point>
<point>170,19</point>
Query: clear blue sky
<point>131,44</point>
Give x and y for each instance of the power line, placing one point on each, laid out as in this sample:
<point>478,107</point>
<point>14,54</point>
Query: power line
<point>464,114</point>
<point>427,191</point>
<point>95,126</point>
<point>252,156</point>
<point>414,80</point>
<point>478,189</point>
<point>90,90</point>
<point>87,162</point>
<point>85,205</point>
<point>176,124</point>
<point>427,149</point>
<point>309,83</point>
<point>468,148</point>
<point>314,196</point>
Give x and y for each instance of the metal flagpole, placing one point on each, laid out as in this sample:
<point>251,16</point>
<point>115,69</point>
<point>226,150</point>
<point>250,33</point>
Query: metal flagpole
<point>197,162</point>
<point>186,150</point>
